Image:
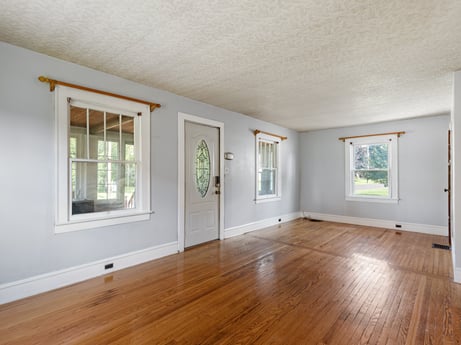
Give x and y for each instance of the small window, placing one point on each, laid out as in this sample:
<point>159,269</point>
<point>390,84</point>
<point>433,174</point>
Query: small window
<point>268,174</point>
<point>103,160</point>
<point>371,168</point>
<point>202,168</point>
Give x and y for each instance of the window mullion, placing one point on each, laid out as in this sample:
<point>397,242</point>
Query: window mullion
<point>105,136</point>
<point>87,133</point>
<point>120,136</point>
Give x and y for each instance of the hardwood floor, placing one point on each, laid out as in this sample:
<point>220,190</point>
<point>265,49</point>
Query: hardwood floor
<point>298,283</point>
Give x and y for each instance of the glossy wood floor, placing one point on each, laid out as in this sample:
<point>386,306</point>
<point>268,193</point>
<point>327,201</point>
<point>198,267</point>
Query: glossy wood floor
<point>298,283</point>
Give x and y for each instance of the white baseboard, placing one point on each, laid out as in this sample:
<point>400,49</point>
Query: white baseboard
<point>456,270</point>
<point>457,274</point>
<point>260,224</point>
<point>49,281</point>
<point>380,223</point>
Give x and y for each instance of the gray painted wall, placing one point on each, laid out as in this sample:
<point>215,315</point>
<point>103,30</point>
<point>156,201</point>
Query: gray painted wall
<point>28,244</point>
<point>422,172</point>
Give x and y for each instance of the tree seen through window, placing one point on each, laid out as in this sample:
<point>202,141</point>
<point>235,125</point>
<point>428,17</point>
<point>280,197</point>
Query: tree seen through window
<point>371,169</point>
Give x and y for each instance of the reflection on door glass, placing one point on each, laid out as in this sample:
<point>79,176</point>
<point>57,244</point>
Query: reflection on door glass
<point>202,168</point>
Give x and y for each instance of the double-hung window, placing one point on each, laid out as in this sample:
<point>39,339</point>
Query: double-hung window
<point>268,173</point>
<point>372,168</point>
<point>103,160</point>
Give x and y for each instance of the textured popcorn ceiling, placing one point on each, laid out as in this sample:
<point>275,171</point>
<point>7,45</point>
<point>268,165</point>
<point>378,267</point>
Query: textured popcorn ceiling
<point>304,64</point>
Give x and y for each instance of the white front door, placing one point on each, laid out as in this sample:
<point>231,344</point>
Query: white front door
<point>202,184</point>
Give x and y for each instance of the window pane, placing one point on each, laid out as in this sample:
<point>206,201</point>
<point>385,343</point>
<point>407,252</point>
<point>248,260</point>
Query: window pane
<point>96,128</point>
<point>112,150</point>
<point>378,156</point>
<point>109,175</point>
<point>373,156</point>
<point>266,181</point>
<point>130,184</point>
<point>267,155</point>
<point>73,180</point>
<point>113,136</point>
<point>129,152</point>
<point>104,186</point>
<point>371,183</point>
<point>113,126</point>
<point>73,147</point>
<point>361,156</point>
<point>128,128</point>
<point>77,125</point>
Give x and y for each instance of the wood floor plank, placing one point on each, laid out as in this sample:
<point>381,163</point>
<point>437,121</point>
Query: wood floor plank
<point>300,282</point>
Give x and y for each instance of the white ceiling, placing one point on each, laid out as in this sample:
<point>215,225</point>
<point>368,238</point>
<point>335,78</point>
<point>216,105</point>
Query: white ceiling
<point>303,64</point>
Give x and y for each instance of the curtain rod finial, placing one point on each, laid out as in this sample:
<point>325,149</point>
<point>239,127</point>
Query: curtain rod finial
<point>153,106</point>
<point>48,80</point>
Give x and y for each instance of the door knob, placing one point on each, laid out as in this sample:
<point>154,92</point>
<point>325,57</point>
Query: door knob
<point>445,190</point>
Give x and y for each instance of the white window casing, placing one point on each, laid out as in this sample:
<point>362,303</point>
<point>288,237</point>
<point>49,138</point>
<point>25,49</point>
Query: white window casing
<point>270,146</point>
<point>392,143</point>
<point>64,219</point>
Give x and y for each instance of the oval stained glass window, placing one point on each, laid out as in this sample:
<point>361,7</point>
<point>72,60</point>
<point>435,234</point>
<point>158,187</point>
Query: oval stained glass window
<point>202,168</point>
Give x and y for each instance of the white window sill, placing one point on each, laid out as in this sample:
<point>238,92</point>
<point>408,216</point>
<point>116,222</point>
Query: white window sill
<point>96,223</point>
<point>371,199</point>
<point>262,200</point>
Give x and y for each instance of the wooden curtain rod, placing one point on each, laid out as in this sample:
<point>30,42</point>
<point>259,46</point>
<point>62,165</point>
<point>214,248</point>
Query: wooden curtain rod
<point>53,84</point>
<point>257,131</point>
<point>371,135</point>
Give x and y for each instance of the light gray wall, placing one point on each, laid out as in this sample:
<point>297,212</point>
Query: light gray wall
<point>422,172</point>
<point>28,244</point>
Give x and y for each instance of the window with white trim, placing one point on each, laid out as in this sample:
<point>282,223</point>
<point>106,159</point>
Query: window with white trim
<point>268,173</point>
<point>103,160</point>
<point>372,168</point>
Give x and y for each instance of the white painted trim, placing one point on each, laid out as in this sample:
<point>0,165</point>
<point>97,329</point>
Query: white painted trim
<point>456,173</point>
<point>393,170</point>
<point>453,258</point>
<point>457,275</point>
<point>260,224</point>
<point>64,220</point>
<point>182,118</point>
<point>372,199</point>
<point>263,200</point>
<point>380,223</point>
<point>97,223</point>
<point>49,281</point>
<point>278,188</point>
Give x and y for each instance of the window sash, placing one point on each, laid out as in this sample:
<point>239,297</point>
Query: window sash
<point>92,192</point>
<point>273,182</point>
<point>355,190</point>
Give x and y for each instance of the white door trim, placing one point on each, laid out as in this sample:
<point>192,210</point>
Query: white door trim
<point>182,118</point>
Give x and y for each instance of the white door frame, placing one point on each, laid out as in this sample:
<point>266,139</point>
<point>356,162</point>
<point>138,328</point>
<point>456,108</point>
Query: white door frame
<point>182,118</point>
